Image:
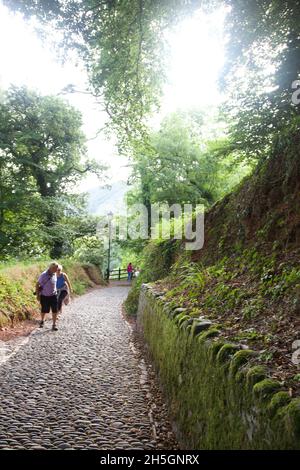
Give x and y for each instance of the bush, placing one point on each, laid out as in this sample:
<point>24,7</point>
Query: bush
<point>158,257</point>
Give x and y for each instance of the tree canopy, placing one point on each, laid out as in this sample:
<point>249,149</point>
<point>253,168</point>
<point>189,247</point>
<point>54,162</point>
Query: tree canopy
<point>42,155</point>
<point>185,163</point>
<point>263,60</point>
<point>122,44</point>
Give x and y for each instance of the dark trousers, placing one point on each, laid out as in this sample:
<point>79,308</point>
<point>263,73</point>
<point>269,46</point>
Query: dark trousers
<point>61,296</point>
<point>49,302</point>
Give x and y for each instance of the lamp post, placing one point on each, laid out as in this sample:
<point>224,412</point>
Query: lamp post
<point>109,216</point>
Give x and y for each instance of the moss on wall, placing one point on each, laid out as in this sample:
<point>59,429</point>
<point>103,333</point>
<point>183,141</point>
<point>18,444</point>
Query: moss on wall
<point>218,397</point>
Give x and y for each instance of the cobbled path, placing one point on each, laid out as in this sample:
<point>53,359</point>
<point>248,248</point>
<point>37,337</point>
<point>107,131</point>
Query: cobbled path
<point>78,387</point>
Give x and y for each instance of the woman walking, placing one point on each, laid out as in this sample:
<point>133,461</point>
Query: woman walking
<point>63,287</point>
<point>129,272</point>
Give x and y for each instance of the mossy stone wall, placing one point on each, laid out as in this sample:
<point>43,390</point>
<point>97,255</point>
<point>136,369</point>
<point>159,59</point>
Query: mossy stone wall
<point>217,396</point>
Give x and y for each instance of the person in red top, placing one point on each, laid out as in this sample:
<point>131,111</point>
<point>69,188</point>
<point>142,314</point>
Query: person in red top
<point>129,271</point>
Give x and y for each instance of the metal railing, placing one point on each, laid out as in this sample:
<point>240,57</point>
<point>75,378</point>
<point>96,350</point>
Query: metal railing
<point>116,274</point>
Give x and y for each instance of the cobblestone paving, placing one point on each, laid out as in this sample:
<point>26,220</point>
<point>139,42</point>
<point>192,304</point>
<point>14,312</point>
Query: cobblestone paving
<point>78,387</point>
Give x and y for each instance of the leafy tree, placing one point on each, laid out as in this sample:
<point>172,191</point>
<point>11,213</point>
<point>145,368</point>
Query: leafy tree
<point>122,44</point>
<point>185,163</point>
<point>263,59</point>
<point>42,155</point>
<point>89,249</point>
<point>41,136</point>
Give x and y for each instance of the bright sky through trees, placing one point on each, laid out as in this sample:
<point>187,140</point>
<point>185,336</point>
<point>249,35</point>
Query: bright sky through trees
<point>197,55</point>
<point>196,48</point>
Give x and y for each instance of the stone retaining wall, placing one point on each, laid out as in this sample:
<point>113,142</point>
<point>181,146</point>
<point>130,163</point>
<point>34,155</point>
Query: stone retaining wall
<point>218,396</point>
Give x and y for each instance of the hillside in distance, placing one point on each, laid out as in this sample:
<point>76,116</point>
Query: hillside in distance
<point>102,200</point>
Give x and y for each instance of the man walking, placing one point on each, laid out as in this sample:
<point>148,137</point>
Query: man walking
<point>47,294</point>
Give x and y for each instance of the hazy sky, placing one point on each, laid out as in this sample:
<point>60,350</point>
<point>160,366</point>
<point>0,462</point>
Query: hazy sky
<point>197,56</point>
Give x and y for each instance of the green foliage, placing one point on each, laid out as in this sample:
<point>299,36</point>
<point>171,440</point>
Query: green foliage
<point>11,295</point>
<point>190,275</point>
<point>42,157</point>
<point>182,165</point>
<point>122,44</point>
<point>275,285</point>
<point>158,257</point>
<point>42,137</point>
<point>251,308</point>
<point>131,252</point>
<point>264,44</point>
<point>89,249</point>
<point>240,288</point>
<point>213,407</point>
<point>132,300</point>
<point>80,287</point>
<point>248,335</point>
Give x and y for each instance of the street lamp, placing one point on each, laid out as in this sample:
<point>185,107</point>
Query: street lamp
<point>109,216</point>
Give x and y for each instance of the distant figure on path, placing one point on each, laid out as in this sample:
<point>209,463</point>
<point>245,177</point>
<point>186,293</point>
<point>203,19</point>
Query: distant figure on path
<point>136,272</point>
<point>129,272</point>
<point>63,287</point>
<point>47,294</point>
